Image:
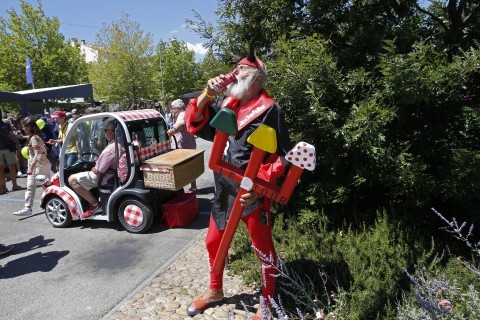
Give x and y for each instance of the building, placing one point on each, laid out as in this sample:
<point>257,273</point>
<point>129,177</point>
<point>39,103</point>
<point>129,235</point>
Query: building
<point>88,50</point>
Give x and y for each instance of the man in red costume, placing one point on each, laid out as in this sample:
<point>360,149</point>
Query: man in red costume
<point>252,105</point>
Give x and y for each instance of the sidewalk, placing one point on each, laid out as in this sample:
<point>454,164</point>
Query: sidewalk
<point>167,295</point>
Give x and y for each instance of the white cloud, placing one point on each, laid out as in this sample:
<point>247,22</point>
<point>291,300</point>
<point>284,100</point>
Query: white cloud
<point>197,48</point>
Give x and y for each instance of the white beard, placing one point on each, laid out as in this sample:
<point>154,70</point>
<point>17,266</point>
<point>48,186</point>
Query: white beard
<point>238,89</point>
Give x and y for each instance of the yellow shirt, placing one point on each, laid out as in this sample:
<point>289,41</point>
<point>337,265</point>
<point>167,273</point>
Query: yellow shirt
<point>71,146</point>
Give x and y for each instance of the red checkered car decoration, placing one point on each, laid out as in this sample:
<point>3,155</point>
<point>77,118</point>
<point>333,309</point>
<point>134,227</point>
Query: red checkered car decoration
<point>67,198</point>
<point>138,114</point>
<point>152,150</point>
<point>133,215</point>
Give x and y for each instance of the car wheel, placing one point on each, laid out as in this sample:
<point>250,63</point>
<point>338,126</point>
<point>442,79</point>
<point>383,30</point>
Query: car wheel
<point>135,216</point>
<point>57,212</point>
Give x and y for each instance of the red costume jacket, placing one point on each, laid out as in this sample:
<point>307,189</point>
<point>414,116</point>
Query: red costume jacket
<point>262,110</point>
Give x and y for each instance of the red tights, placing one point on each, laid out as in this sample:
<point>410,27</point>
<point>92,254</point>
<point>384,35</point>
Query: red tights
<point>261,235</point>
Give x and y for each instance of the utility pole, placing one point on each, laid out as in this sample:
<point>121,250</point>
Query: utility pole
<point>161,73</point>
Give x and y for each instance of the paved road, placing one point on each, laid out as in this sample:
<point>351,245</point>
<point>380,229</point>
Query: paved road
<point>83,271</point>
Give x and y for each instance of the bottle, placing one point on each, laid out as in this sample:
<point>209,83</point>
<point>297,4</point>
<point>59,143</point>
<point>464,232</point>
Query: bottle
<point>229,78</point>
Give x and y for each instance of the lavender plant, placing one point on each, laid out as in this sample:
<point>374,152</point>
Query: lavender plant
<point>439,297</point>
<point>457,231</point>
<point>302,291</point>
<point>431,295</point>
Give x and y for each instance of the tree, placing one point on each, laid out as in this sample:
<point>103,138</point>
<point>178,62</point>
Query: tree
<point>455,22</point>
<point>124,70</point>
<point>357,29</point>
<point>178,71</point>
<point>210,67</point>
<point>244,23</point>
<point>33,35</point>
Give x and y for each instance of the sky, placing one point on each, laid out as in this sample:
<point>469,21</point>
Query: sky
<point>164,19</point>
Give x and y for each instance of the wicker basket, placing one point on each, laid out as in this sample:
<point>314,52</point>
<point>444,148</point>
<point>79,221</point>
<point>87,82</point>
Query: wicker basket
<point>173,170</point>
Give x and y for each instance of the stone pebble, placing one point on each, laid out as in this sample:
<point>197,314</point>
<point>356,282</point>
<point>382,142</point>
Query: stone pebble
<point>169,293</point>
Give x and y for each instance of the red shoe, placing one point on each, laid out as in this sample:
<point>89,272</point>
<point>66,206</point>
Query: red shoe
<point>198,305</point>
<point>91,210</point>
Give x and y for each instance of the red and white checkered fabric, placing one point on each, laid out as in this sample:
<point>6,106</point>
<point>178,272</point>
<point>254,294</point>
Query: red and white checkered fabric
<point>138,114</point>
<point>152,150</point>
<point>133,215</point>
<point>67,198</point>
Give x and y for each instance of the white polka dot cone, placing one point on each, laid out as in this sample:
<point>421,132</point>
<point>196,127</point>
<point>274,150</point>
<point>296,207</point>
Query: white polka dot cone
<point>303,156</point>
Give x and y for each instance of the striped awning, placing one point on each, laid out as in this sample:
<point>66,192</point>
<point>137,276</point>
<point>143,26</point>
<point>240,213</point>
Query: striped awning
<point>141,114</point>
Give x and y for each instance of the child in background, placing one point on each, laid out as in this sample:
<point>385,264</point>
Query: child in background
<point>38,163</point>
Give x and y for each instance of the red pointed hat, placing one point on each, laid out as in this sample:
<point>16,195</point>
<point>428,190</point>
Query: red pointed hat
<point>247,62</point>
<point>255,62</point>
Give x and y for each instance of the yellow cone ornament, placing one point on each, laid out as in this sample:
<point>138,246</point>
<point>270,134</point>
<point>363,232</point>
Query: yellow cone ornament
<point>25,153</point>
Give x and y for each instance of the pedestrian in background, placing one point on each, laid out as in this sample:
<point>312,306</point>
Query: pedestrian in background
<point>184,139</point>
<point>47,134</point>
<point>17,129</point>
<point>168,118</point>
<point>8,149</point>
<point>38,163</point>
<point>71,151</point>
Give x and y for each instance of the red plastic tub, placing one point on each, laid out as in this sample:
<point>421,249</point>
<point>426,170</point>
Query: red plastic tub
<point>180,211</point>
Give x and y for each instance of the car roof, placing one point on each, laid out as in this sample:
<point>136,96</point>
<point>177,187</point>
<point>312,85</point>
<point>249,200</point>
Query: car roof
<point>141,114</point>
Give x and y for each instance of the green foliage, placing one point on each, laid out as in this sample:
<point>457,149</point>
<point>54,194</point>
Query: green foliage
<point>375,257</point>
<point>364,266</point>
<point>430,123</point>
<point>123,72</point>
<point>305,80</point>
<point>210,67</point>
<point>398,136</point>
<point>31,34</point>
<point>378,88</point>
<point>240,24</point>
<point>356,28</point>
<point>178,69</point>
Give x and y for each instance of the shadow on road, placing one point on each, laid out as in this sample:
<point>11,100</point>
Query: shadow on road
<point>36,262</point>
<point>33,243</point>
<point>96,224</point>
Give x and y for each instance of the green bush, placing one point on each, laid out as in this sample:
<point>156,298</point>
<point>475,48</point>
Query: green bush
<point>399,136</point>
<point>363,265</point>
<point>392,141</point>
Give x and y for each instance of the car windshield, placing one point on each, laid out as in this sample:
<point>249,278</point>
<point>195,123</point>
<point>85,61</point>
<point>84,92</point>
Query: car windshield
<point>87,142</point>
<point>92,137</point>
